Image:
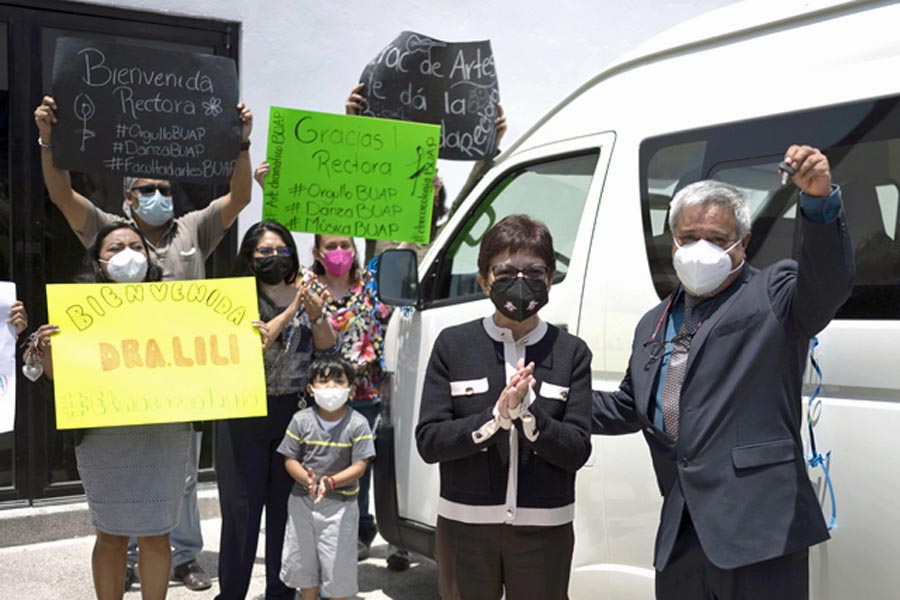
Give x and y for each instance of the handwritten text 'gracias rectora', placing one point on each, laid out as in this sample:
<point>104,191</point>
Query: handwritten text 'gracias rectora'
<point>344,196</point>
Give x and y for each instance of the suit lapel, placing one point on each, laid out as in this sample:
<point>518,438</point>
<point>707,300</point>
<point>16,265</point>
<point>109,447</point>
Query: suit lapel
<point>709,324</point>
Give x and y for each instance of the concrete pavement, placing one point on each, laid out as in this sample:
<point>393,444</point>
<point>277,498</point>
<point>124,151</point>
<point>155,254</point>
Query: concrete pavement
<point>61,569</point>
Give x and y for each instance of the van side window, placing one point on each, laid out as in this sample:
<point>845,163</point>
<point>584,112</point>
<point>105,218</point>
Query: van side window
<point>862,142</point>
<point>552,191</point>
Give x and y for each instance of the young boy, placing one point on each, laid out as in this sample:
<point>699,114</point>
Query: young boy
<point>326,449</point>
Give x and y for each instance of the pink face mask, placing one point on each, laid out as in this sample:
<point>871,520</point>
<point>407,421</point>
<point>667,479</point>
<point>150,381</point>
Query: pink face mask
<point>338,261</point>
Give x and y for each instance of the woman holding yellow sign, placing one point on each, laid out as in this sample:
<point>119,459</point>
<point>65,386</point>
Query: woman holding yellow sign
<point>133,476</point>
<point>251,474</point>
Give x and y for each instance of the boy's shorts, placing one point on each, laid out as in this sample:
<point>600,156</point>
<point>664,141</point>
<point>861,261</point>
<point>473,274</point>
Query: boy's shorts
<point>320,546</point>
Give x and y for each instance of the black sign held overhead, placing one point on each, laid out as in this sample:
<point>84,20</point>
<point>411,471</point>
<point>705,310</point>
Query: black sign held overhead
<point>454,85</point>
<point>144,112</point>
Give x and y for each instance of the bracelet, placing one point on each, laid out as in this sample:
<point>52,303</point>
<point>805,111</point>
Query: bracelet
<point>320,319</point>
<point>42,144</point>
<point>245,145</point>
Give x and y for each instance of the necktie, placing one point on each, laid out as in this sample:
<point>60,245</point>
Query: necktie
<point>678,360</point>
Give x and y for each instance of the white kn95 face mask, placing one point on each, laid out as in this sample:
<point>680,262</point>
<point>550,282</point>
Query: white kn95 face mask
<point>702,266</point>
<point>331,398</point>
<point>127,266</point>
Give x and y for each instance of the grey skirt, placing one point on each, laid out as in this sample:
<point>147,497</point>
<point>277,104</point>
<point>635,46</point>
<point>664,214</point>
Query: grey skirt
<point>134,476</point>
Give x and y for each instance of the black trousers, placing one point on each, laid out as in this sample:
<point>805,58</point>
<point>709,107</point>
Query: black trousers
<point>251,476</point>
<point>475,562</point>
<point>691,576</point>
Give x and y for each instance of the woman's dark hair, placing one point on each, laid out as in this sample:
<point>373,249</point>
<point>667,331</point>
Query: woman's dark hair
<point>355,270</point>
<point>516,233</point>
<point>244,265</point>
<point>328,367</point>
<point>90,268</point>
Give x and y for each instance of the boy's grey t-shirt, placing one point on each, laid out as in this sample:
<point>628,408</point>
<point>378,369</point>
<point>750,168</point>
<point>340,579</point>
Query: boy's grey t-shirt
<point>327,452</point>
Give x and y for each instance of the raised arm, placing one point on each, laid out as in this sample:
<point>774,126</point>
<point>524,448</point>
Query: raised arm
<point>240,189</point>
<point>824,276</point>
<point>73,205</point>
<point>480,167</point>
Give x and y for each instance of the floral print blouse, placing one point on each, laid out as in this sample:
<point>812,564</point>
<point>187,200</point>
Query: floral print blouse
<point>359,318</point>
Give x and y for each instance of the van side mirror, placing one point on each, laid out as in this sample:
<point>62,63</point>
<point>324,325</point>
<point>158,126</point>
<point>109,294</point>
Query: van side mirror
<point>398,278</point>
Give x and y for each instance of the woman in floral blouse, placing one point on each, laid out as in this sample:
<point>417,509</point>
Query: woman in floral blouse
<point>359,318</point>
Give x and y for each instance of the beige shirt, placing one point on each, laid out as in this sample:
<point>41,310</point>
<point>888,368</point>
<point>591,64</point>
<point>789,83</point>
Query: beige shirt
<point>184,246</point>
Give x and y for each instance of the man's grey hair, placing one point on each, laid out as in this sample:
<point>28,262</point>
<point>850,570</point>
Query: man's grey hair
<point>128,183</point>
<point>710,191</point>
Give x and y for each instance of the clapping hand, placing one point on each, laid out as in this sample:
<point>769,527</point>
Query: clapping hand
<point>514,392</point>
<point>312,303</point>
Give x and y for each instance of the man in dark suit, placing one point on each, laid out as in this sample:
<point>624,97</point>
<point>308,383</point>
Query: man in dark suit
<point>714,381</point>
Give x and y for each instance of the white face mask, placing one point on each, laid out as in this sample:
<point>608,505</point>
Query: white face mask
<point>702,266</point>
<point>127,266</point>
<point>331,398</point>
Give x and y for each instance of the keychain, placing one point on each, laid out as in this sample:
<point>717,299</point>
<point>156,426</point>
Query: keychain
<point>33,357</point>
<point>786,171</point>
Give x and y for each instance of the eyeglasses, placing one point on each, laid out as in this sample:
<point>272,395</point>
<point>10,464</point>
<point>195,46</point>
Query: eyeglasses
<point>686,240</point>
<point>146,190</point>
<point>503,271</point>
<point>657,349</point>
<point>271,251</point>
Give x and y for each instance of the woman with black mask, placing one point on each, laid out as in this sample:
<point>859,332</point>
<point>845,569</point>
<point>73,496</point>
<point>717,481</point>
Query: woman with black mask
<point>506,411</point>
<point>251,475</point>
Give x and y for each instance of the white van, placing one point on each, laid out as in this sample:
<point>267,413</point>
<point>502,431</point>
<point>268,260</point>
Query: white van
<point>721,97</point>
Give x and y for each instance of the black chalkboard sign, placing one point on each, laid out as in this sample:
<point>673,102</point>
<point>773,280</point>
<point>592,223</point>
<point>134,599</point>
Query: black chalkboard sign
<point>454,85</point>
<point>144,112</point>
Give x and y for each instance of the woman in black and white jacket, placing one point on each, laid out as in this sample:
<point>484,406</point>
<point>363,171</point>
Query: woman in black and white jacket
<point>506,411</point>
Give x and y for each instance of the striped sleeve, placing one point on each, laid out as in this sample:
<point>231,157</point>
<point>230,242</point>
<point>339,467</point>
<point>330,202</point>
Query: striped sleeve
<point>362,439</point>
<point>292,444</point>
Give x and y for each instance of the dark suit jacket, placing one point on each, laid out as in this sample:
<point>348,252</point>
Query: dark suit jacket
<point>738,463</point>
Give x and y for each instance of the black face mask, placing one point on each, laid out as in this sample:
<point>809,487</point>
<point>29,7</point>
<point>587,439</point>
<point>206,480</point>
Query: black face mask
<point>272,269</point>
<point>519,298</point>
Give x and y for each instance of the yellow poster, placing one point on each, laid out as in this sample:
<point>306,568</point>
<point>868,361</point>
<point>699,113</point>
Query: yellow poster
<point>129,354</point>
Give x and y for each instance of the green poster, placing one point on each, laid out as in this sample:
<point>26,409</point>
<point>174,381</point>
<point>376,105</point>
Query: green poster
<point>351,176</point>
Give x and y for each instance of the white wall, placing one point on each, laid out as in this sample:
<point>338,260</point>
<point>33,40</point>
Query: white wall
<point>309,55</point>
